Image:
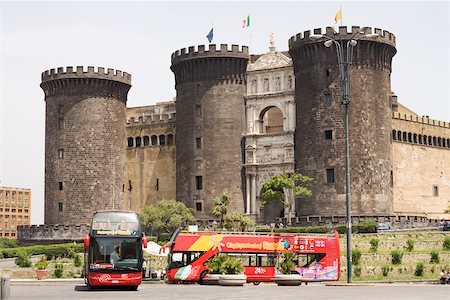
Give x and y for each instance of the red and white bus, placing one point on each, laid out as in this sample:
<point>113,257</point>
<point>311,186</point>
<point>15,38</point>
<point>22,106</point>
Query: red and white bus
<point>113,250</point>
<point>318,256</point>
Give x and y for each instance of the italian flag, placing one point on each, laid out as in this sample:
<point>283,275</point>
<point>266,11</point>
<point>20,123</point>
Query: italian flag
<point>246,22</point>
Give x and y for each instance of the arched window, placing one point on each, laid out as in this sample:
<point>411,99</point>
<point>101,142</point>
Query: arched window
<point>420,139</point>
<point>266,84</point>
<point>271,120</point>
<point>162,140</point>
<point>146,140</point>
<point>439,140</point>
<point>130,142</point>
<point>434,141</point>
<point>410,137</point>
<point>444,144</point>
<point>394,135</point>
<point>405,137</point>
<point>448,143</point>
<point>170,139</point>
<point>399,135</point>
<point>254,86</point>
<point>425,140</point>
<point>415,138</point>
<point>138,142</point>
<point>154,139</point>
<point>430,141</point>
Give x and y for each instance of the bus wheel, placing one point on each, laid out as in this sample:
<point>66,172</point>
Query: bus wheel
<point>202,278</point>
<point>256,282</point>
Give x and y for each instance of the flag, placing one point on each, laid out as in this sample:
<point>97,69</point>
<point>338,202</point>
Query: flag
<point>210,35</point>
<point>246,22</point>
<point>338,16</point>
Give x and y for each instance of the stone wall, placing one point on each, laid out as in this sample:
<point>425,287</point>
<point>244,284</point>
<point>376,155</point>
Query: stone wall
<point>51,234</point>
<point>421,172</point>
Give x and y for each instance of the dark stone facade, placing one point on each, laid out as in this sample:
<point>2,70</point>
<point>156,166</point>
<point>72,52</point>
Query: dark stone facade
<point>211,85</point>
<point>84,142</point>
<point>319,108</point>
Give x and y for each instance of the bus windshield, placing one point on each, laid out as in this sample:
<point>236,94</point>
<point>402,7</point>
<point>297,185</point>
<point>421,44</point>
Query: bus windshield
<point>115,253</point>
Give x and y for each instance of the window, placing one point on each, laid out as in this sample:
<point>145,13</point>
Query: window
<point>138,142</point>
<point>60,153</point>
<point>130,142</point>
<point>170,139</point>
<point>198,111</point>
<point>198,183</point>
<point>328,71</point>
<point>328,134</point>
<point>435,191</point>
<point>154,140</point>
<point>198,142</point>
<point>146,140</point>
<point>157,184</point>
<point>25,203</point>
<point>198,206</point>
<point>162,140</point>
<point>60,185</point>
<point>60,206</point>
<point>60,124</point>
<point>330,176</point>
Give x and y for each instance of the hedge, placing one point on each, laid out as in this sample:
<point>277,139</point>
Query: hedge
<point>51,251</point>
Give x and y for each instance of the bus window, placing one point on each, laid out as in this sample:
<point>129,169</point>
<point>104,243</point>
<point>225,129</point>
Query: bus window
<point>266,260</point>
<point>305,260</point>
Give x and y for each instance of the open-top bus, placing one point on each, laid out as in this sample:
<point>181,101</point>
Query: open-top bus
<point>113,250</point>
<point>318,256</point>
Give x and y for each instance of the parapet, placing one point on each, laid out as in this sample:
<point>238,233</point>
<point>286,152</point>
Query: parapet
<point>81,72</point>
<point>384,36</point>
<point>200,52</point>
<point>418,119</point>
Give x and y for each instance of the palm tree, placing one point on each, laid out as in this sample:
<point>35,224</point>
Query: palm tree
<point>221,206</point>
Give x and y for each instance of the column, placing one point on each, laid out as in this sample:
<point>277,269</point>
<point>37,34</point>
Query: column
<point>247,206</point>
<point>254,194</point>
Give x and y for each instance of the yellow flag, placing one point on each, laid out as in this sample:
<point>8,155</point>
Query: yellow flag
<point>338,16</point>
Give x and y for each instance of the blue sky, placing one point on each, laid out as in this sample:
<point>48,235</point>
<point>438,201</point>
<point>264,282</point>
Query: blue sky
<point>139,37</point>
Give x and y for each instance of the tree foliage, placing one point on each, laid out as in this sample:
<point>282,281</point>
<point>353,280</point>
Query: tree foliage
<point>238,221</point>
<point>284,188</point>
<point>166,216</point>
<point>221,206</point>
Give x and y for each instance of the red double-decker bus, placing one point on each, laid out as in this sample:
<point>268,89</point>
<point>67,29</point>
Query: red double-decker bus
<point>113,250</point>
<point>318,256</point>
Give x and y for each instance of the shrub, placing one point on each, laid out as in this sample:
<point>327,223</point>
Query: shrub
<point>290,260</point>
<point>215,264</point>
<point>42,264</point>
<point>385,270</point>
<point>23,259</point>
<point>357,271</point>
<point>397,256</point>
<point>434,257</point>
<point>367,226</point>
<point>164,237</point>
<point>374,244</point>
<point>419,269</point>
<point>356,256</point>
<point>8,243</point>
<point>231,265</point>
<point>446,243</point>
<point>51,251</point>
<point>77,260</point>
<point>59,269</point>
<point>409,245</point>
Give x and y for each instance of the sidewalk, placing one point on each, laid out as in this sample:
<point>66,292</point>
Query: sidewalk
<point>64,281</point>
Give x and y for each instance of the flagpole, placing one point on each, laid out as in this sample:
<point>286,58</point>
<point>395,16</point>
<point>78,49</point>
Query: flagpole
<point>340,9</point>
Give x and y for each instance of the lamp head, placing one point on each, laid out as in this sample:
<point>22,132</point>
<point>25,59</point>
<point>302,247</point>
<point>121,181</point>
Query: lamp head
<point>328,43</point>
<point>353,43</point>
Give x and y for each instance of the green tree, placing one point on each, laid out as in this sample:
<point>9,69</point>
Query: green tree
<point>221,206</point>
<point>285,188</point>
<point>166,215</point>
<point>238,221</point>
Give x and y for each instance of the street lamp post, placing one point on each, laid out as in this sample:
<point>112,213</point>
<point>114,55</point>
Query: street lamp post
<point>344,63</point>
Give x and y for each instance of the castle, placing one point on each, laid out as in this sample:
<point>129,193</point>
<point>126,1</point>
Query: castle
<point>238,119</point>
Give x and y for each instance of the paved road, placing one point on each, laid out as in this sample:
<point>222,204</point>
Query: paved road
<point>248,292</point>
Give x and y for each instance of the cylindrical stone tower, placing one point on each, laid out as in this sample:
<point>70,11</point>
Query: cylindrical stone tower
<point>320,136</point>
<point>84,142</point>
<point>211,85</point>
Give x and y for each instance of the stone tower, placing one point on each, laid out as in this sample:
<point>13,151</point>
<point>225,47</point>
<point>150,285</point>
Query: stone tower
<point>320,136</point>
<point>210,85</point>
<point>84,142</point>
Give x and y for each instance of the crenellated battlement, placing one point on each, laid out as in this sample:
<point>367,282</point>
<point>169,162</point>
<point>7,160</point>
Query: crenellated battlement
<point>82,72</point>
<point>418,119</point>
<point>212,51</point>
<point>384,36</point>
<point>51,234</point>
<point>152,119</point>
